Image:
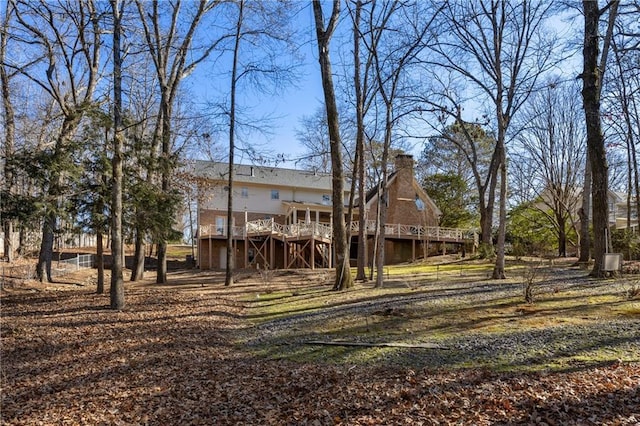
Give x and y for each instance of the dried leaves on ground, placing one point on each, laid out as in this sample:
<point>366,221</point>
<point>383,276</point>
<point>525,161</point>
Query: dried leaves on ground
<point>172,358</point>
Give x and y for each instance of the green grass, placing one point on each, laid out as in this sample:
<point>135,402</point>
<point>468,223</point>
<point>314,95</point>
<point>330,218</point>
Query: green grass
<point>420,320</point>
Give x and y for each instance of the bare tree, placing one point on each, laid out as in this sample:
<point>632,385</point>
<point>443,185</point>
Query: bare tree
<point>9,130</point>
<point>396,36</point>
<point>365,88</point>
<point>343,278</point>
<point>624,91</point>
<point>360,84</point>
<point>261,26</point>
<point>117,246</point>
<point>499,50</point>
<point>311,132</point>
<point>552,144</point>
<point>594,66</point>
<point>67,39</point>
<point>169,36</point>
<point>232,129</point>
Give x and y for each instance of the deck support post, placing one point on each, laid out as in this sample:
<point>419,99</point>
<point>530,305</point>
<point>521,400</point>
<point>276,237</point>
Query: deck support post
<point>313,252</point>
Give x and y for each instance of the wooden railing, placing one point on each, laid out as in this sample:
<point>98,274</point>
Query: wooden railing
<point>435,233</point>
<point>316,229</point>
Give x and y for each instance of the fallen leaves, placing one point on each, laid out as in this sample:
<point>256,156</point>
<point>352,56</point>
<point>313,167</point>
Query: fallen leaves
<point>172,358</point>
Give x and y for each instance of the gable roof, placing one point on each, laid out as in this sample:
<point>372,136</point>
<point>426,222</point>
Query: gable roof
<point>372,194</point>
<point>262,175</point>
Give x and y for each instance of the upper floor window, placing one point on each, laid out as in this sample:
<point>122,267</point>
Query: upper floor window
<point>419,204</point>
<point>326,199</point>
<point>275,194</point>
<point>244,192</point>
<point>221,222</point>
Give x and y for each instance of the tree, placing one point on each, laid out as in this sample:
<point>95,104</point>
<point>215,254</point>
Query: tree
<point>499,50</point>
<point>169,43</point>
<point>311,132</point>
<point>262,25</point>
<point>232,129</point>
<point>92,197</point>
<point>594,67</point>
<point>529,230</point>
<point>117,246</point>
<point>361,88</point>
<point>9,132</point>
<point>551,144</point>
<point>396,34</point>
<point>343,278</point>
<point>450,193</point>
<point>469,151</point>
<point>622,99</point>
<point>65,39</point>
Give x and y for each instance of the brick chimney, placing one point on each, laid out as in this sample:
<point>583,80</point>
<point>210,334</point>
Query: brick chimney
<point>404,162</point>
<point>404,170</point>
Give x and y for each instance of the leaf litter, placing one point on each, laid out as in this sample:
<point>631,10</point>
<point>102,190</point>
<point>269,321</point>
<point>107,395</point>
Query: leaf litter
<point>173,358</point>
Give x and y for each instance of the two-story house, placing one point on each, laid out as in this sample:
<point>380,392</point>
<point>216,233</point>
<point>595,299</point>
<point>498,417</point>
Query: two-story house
<point>282,218</point>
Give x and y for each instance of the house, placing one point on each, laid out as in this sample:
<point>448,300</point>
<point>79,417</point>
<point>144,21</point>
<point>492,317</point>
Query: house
<point>618,211</point>
<point>282,218</point>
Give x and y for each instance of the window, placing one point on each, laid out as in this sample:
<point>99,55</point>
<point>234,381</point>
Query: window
<point>244,192</point>
<point>220,225</point>
<point>275,194</point>
<point>326,199</point>
<point>419,204</point>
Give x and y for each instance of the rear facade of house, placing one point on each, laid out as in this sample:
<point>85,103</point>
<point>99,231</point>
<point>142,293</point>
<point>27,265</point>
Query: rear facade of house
<point>282,218</point>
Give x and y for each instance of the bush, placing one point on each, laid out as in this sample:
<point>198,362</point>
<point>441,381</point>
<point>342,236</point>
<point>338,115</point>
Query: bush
<point>626,242</point>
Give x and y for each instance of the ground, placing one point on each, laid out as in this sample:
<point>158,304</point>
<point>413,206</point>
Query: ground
<point>467,350</point>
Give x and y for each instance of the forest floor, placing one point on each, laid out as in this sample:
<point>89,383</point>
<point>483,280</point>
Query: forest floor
<point>439,344</point>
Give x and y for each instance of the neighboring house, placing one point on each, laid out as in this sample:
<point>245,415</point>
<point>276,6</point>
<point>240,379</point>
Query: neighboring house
<point>282,218</point>
<point>618,211</point>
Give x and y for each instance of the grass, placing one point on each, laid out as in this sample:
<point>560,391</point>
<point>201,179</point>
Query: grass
<point>415,307</point>
<point>178,251</point>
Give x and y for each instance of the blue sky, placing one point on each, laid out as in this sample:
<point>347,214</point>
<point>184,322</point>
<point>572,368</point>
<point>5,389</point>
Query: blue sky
<point>285,109</point>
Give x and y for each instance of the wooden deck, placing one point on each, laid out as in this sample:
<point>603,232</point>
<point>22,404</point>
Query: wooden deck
<point>323,231</point>
<point>309,244</point>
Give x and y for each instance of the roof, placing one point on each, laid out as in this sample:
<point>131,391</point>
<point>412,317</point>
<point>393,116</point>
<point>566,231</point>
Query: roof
<point>262,175</point>
<point>420,192</point>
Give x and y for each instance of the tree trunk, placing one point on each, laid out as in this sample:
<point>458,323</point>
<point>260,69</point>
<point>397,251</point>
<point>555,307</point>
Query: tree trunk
<point>562,238</point>
<point>9,133</point>
<point>137,269</point>
<point>360,135</point>
<point>43,268</point>
<point>100,263</point>
<point>486,204</point>
<point>380,252</point>
<point>384,202</point>
<point>343,274</point>
<point>161,253</point>
<point>592,85</point>
<point>228,279</point>
<point>583,213</point>
<point>499,269</point>
<point>117,246</point>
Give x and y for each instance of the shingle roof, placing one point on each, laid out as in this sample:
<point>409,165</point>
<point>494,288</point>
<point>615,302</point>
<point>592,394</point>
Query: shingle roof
<point>261,175</point>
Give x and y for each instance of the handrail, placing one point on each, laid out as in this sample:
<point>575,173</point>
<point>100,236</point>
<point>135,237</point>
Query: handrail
<point>317,229</point>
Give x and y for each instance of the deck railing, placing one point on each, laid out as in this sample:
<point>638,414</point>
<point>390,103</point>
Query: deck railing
<point>317,229</point>
<point>419,231</point>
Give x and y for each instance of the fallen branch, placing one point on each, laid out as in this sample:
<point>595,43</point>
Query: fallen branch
<point>373,345</point>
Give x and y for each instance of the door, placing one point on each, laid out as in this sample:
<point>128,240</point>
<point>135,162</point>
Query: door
<point>223,258</point>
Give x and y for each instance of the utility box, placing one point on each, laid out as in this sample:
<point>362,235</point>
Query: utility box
<point>612,262</point>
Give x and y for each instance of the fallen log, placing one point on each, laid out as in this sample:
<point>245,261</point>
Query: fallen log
<point>373,345</point>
